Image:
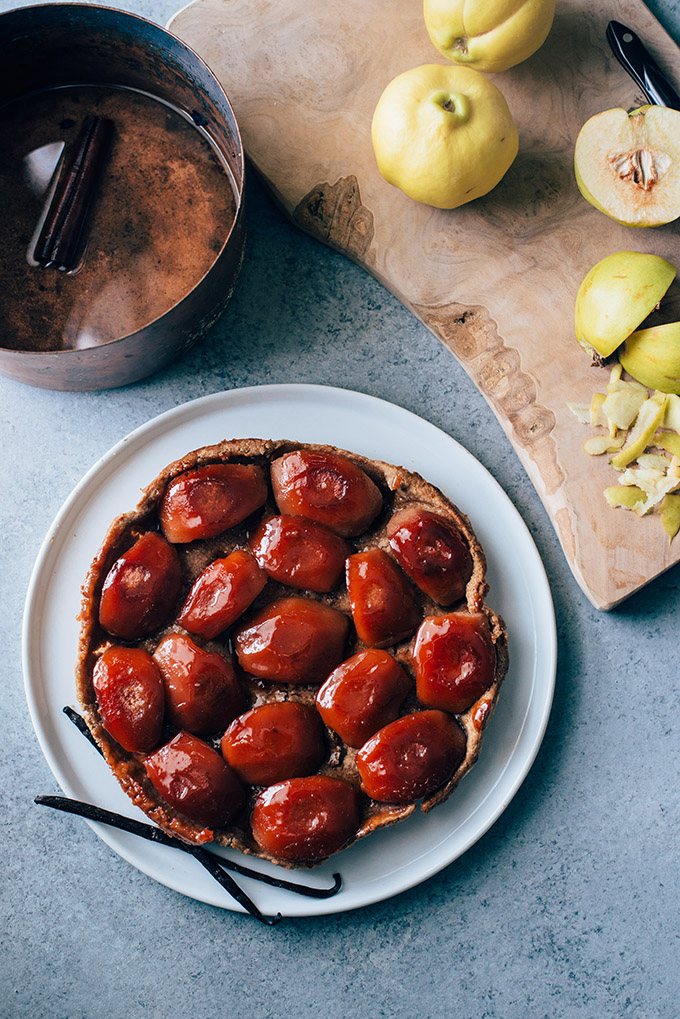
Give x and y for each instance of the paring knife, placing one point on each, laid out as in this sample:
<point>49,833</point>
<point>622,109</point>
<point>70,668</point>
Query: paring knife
<point>643,69</point>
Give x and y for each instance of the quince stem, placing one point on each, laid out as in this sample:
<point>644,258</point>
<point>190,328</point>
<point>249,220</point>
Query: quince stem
<point>455,104</point>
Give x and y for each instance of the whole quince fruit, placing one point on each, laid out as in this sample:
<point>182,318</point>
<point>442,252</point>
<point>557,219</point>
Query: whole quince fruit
<point>616,296</point>
<point>443,135</point>
<point>652,356</point>
<point>628,164</point>
<point>489,35</point>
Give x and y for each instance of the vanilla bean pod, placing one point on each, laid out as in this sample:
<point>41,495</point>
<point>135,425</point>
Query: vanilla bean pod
<point>146,831</point>
<point>82,726</point>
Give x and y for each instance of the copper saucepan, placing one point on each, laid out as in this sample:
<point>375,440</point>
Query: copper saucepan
<point>54,45</point>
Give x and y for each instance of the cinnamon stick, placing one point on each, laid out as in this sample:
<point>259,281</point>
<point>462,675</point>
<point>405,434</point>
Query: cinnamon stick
<point>59,242</point>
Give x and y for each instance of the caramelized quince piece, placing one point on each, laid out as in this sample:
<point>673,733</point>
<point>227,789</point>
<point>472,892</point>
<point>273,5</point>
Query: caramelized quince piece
<point>221,594</point>
<point>411,757</point>
<point>384,606</point>
<point>206,501</point>
<point>300,553</point>
<point>130,697</point>
<point>362,695</point>
<point>303,820</point>
<point>325,487</point>
<point>141,588</point>
<point>455,660</point>
<point>202,693</point>
<point>293,640</point>
<point>193,778</point>
<point>272,742</point>
<point>432,551</point>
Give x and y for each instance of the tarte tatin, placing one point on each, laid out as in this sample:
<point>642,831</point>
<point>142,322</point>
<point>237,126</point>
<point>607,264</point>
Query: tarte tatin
<point>285,647</point>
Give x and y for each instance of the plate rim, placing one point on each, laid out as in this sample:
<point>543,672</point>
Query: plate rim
<point>180,415</point>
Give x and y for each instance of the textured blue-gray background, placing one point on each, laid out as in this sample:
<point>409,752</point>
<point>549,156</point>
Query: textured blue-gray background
<point>568,906</point>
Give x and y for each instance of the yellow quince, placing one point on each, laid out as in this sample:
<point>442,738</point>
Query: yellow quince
<point>489,35</point>
<point>443,135</point>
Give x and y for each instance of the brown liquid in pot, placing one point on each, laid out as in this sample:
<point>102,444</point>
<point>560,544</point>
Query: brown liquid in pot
<point>162,211</point>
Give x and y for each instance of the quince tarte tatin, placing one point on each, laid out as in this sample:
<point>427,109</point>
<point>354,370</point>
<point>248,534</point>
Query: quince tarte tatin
<point>285,646</point>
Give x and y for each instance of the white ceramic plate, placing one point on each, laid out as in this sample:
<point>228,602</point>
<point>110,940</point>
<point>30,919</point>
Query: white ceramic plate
<point>389,861</point>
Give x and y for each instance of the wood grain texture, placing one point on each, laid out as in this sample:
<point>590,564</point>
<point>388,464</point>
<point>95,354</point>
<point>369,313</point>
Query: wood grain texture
<point>494,280</point>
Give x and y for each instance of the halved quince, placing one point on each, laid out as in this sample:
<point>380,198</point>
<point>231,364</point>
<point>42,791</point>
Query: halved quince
<point>652,356</point>
<point>616,296</point>
<point>488,36</point>
<point>628,164</point>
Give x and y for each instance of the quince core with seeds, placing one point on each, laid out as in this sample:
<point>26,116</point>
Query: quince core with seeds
<point>628,164</point>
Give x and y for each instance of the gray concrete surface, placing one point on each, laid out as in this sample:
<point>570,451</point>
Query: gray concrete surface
<point>567,907</point>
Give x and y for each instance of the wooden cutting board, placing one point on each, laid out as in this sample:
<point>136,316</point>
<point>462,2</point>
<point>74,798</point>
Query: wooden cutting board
<point>494,280</point>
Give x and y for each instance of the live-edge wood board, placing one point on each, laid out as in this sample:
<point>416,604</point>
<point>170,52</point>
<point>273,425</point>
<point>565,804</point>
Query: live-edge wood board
<point>495,280</point>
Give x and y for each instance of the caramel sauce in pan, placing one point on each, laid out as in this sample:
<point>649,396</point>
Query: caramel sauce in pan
<point>162,210</point>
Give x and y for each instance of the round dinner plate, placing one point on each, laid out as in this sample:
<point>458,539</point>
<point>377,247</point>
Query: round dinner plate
<point>391,860</point>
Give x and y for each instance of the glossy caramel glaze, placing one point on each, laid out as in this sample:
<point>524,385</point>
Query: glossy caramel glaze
<point>399,489</point>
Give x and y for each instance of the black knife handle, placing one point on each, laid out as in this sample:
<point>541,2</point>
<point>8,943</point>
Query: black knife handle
<point>643,69</point>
